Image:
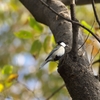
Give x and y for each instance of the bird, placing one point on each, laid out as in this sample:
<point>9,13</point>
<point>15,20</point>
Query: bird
<point>56,53</point>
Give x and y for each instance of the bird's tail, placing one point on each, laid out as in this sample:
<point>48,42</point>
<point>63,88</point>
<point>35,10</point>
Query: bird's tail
<point>44,63</point>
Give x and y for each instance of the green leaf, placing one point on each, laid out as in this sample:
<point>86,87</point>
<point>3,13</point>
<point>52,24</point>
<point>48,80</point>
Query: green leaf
<point>53,39</point>
<point>36,48</point>
<point>35,25</point>
<point>23,34</point>
<point>47,45</point>
<point>7,69</point>
<point>87,26</point>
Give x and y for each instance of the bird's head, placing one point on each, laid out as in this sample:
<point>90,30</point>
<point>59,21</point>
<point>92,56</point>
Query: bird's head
<point>62,43</point>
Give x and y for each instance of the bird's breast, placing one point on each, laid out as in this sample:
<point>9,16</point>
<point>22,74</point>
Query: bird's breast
<point>60,51</point>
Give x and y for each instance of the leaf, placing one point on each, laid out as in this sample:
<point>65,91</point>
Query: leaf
<point>36,48</point>
<point>7,69</point>
<point>23,34</point>
<point>35,25</point>
<point>12,77</point>
<point>1,87</point>
<point>87,26</point>
<point>13,6</point>
<point>8,84</point>
<point>53,39</point>
<point>89,42</point>
<point>47,45</point>
<point>52,67</point>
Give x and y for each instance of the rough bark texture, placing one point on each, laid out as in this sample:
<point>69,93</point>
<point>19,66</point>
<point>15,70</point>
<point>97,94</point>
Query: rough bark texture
<point>80,82</point>
<point>78,77</point>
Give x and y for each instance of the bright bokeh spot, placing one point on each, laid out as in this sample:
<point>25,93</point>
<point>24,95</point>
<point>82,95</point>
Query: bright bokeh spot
<point>20,60</point>
<point>1,87</point>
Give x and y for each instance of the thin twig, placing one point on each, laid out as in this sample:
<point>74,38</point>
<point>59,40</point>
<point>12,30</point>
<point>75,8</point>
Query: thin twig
<point>97,61</point>
<point>55,92</point>
<point>91,54</point>
<point>77,23</point>
<point>95,13</point>
<point>84,42</point>
<point>28,90</point>
<point>93,46</point>
<point>86,37</point>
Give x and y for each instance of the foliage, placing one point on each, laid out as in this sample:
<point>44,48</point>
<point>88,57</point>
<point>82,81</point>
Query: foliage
<point>24,44</point>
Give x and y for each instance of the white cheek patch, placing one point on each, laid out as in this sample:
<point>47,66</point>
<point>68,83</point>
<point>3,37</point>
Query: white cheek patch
<point>63,44</point>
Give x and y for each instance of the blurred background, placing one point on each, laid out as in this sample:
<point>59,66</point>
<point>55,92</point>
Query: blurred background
<point>24,45</point>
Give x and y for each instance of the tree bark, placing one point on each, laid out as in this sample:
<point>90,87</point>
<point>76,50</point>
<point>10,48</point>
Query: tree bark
<point>79,79</point>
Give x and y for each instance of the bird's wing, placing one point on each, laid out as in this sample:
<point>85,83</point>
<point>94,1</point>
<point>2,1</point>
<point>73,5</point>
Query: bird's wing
<point>49,58</point>
<point>56,48</point>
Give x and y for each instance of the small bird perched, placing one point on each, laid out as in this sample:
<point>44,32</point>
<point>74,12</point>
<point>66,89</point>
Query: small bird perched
<point>56,53</point>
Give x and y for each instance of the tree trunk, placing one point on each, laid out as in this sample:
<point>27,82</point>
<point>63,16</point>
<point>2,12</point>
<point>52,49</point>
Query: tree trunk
<point>77,75</point>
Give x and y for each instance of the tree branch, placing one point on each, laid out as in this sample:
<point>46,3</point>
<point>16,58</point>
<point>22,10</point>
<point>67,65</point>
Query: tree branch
<point>95,13</point>
<point>75,31</point>
<point>72,21</point>
<point>46,16</point>
<point>79,80</point>
<point>79,2</point>
<point>55,92</point>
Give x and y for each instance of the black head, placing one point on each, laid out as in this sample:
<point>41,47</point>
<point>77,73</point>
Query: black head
<point>59,42</point>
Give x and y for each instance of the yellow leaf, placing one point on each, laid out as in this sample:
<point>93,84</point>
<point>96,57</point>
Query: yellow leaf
<point>12,77</point>
<point>47,44</point>
<point>53,39</point>
<point>87,26</point>
<point>1,87</point>
<point>52,67</point>
<point>89,41</point>
<point>8,84</point>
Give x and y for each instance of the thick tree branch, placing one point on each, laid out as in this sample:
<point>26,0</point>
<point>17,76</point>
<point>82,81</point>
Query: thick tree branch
<point>75,31</point>
<point>60,27</point>
<point>80,82</point>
